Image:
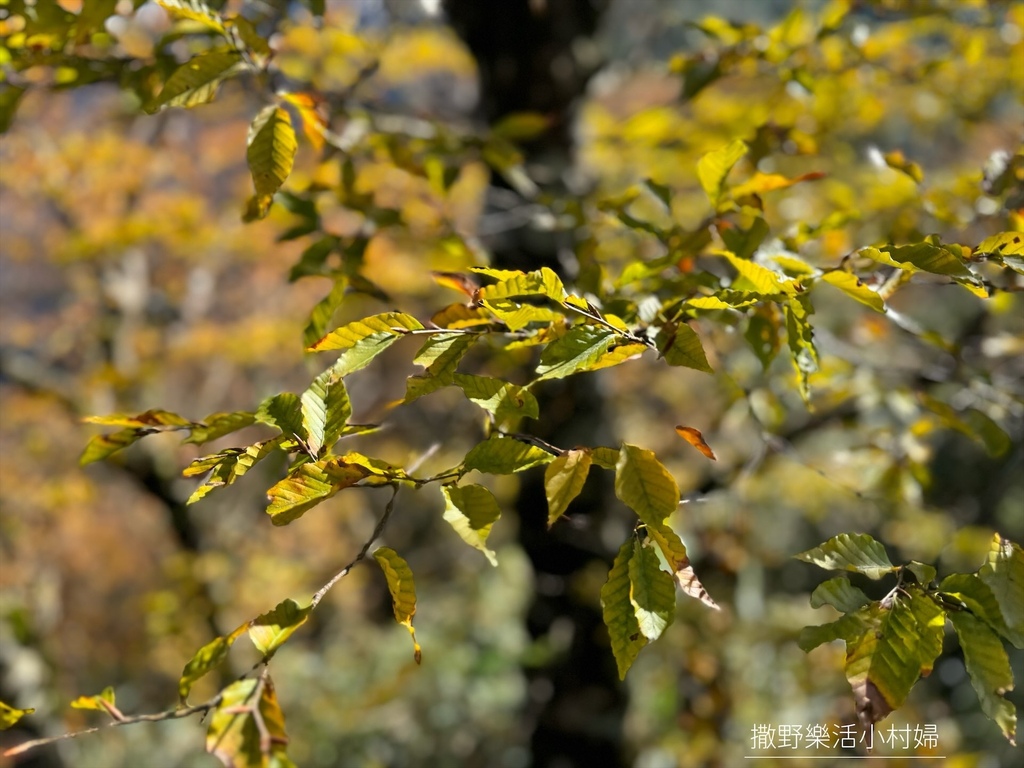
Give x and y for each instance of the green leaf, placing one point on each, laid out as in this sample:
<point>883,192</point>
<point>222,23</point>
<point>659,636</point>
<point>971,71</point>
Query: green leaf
<point>227,466</point>
<point>312,260</point>
<point>520,126</point>
<point>840,594</point>
<point>270,630</point>
<point>503,456</point>
<point>969,591</point>
<point>270,154</point>
<point>217,425</point>
<point>9,716</point>
<point>925,257</point>
<point>283,411</point>
<point>604,457</point>
<point>762,335</point>
<point>851,285</point>
<point>714,167</point>
<point>679,344</point>
<point>744,242</point>
<point>440,356</point>
<point>619,613</point>
<point>564,479</point>
<point>674,550</point>
<point>309,485</point>
<point>10,96</point>
<point>644,485</point>
<point>989,670</point>
<point>247,728</point>
<point>152,419</point>
<point>363,340</point>
<point>402,589</point>
<point>325,411</point>
<point>800,337</point>
<point>472,510</point>
<point>206,659</point>
<point>652,592</point>
<point>197,80</point>
<point>899,645</point>
<point>578,350</point>
<point>323,311</point>
<point>249,37</point>
<point>924,573</point>
<point>851,552</point>
<point>848,628</point>
<point>100,447</point>
<point>193,10</point>
<point>1004,575</point>
<point>506,402</point>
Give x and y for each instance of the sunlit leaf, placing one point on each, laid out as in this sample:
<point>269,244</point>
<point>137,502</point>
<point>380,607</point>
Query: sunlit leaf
<point>309,485</point>
<point>517,316</point>
<point>323,311</point>
<point>1004,575</point>
<point>696,439</point>
<point>760,183</point>
<point>247,728</point>
<point>197,80</point>
<point>714,167</point>
<point>102,701</point>
<point>971,593</point>
<point>206,659</point>
<point>271,153</point>
<point>217,425</point>
<point>680,345</point>
<point>989,670</point>
<point>604,457</point>
<point>800,337</point>
<point>402,589</point>
<point>901,644</point>
<point>674,550</point>
<point>840,594</point>
<point>471,510</point>
<point>100,447</point>
<point>283,411</point>
<point>754,277</point>
<point>441,356</point>
<point>227,466</point>
<point>270,630</point>
<point>651,592</point>
<point>619,615</point>
<point>849,284</point>
<point>579,349</point>
<point>363,340</point>
<point>152,418</point>
<point>644,485</point>
<point>9,716</point>
<point>506,402</point>
<point>564,479</point>
<point>898,162</point>
<point>504,455</point>
<point>851,552</point>
<point>541,282</point>
<point>325,411</point>
<point>193,10</point>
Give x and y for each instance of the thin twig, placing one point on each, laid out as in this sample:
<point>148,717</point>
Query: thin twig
<point>377,531</point>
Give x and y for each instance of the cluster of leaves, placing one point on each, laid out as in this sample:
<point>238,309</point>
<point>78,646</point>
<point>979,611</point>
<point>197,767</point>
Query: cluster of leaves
<point>892,642</point>
<point>727,271</point>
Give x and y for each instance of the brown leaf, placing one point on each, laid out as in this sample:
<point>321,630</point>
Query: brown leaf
<point>696,439</point>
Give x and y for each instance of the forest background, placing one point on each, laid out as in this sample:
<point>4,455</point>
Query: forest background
<point>565,134</point>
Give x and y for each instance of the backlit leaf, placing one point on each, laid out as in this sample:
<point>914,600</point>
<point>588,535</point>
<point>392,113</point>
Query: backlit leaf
<point>152,418</point>
<point>9,716</point>
<point>714,167</point>
<point>471,510</point>
<point>696,439</point>
<point>504,455</point>
<point>541,282</point>
<point>308,486</point>
<point>898,162</point>
<point>651,592</point>
<point>506,402</point>
<point>325,411</point>
<point>363,340</point>
<point>989,670</point>
<point>206,659</point>
<point>760,183</point>
<point>840,594</point>
<point>753,277</point>
<point>674,550</point>
<point>402,589</point>
<point>193,10</point>
<point>851,552</point>
<point>800,337</point>
<point>270,154</point>
<point>851,285</point>
<point>269,631</point>
<point>619,614</point>
<point>217,425</point>
<point>283,411</point>
<point>1004,575</point>
<point>197,80</point>
<point>101,701</point>
<point>644,485</point>
<point>441,356</point>
<point>100,447</point>
<point>579,349</point>
<point>247,728</point>
<point>970,592</point>
<point>564,479</point>
<point>227,466</point>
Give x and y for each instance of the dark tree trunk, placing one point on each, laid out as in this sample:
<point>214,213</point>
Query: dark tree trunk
<point>526,54</point>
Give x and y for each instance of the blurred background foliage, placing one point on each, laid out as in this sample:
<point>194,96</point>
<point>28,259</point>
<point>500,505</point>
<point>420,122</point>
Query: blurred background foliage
<point>129,281</point>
